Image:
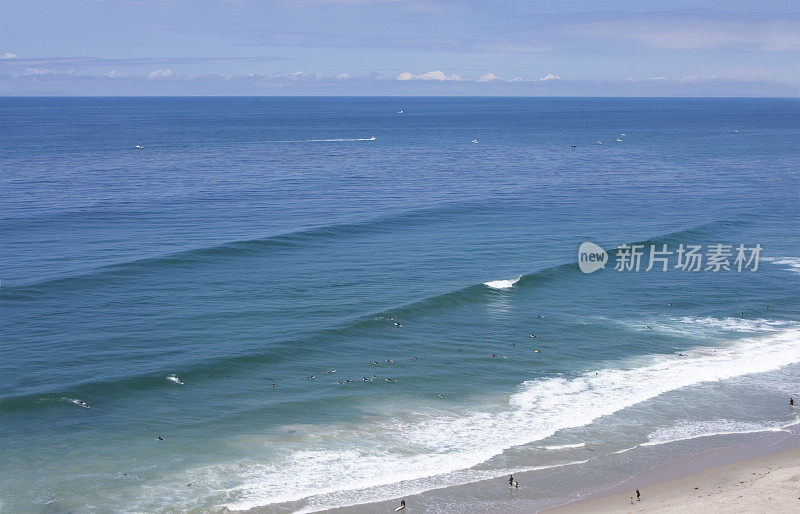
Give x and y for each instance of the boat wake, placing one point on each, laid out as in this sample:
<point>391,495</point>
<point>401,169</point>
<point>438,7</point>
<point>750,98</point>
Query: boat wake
<point>338,140</point>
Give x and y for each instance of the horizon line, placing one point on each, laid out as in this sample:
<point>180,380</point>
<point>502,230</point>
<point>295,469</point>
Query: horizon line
<point>408,96</point>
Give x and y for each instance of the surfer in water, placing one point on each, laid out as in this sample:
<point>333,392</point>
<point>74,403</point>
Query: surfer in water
<point>791,402</point>
<point>402,505</point>
<point>510,480</point>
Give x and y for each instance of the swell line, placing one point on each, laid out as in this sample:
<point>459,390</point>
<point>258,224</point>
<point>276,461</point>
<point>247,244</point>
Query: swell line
<point>469,295</point>
<point>232,249</point>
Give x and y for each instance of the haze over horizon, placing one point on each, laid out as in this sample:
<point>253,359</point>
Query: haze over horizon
<point>398,47</point>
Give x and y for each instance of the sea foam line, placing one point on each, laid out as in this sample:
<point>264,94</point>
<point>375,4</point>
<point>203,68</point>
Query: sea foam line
<point>685,430</point>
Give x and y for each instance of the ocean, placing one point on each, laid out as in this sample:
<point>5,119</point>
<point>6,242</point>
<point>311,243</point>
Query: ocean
<point>387,274</point>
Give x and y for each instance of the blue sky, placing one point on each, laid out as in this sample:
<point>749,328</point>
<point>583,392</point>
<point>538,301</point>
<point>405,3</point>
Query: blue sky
<point>399,47</point>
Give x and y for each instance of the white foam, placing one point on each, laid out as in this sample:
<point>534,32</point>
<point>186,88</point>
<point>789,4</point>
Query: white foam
<point>427,444</point>
<point>791,263</point>
<point>563,446</point>
<point>502,284</point>
<point>79,403</point>
<point>173,378</point>
<point>684,430</point>
<point>326,140</point>
<point>739,324</point>
<point>699,327</point>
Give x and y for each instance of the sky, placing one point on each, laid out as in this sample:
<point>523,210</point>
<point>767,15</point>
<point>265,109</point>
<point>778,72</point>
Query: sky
<point>400,47</point>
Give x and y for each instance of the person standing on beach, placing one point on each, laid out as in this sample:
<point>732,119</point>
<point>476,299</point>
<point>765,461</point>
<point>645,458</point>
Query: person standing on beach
<point>638,496</point>
<point>510,480</point>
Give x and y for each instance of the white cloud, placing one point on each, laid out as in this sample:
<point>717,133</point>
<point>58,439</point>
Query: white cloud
<point>660,77</point>
<point>114,74</point>
<point>8,55</point>
<point>430,75</point>
<point>38,71</point>
<point>160,74</point>
<point>491,77</point>
<point>549,76</point>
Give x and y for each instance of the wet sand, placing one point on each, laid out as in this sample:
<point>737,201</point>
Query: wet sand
<point>740,478</point>
<point>769,483</point>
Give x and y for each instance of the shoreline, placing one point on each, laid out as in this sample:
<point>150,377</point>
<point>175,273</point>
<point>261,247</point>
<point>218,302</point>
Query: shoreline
<point>662,486</point>
<point>766,483</point>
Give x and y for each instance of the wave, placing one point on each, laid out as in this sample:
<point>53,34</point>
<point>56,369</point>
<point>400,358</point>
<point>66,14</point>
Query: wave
<point>305,237</point>
<point>213,367</point>
<point>739,324</point>
<point>145,382</point>
<point>695,326</point>
<point>299,238</point>
<point>502,284</point>
<point>685,430</point>
<point>445,442</point>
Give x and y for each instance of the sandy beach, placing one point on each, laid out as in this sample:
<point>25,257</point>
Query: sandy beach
<point>744,476</point>
<point>769,483</point>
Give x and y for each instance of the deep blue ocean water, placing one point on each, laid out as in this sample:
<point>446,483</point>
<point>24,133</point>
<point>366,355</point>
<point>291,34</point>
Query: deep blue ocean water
<point>260,241</point>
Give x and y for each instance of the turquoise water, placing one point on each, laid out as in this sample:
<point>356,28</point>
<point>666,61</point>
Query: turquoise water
<point>240,249</point>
